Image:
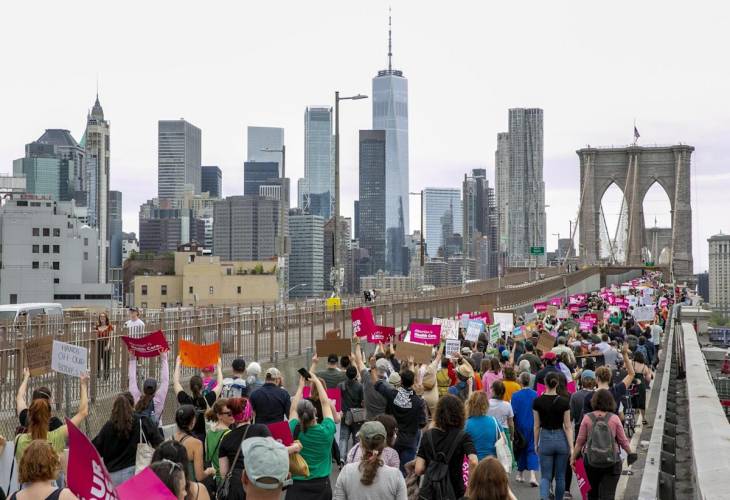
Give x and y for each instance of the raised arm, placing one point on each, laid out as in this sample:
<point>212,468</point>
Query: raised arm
<point>20,399</point>
<point>176,386</point>
<point>295,400</point>
<point>630,373</point>
<point>359,363</point>
<point>218,378</point>
<point>323,398</point>
<point>313,366</point>
<point>83,410</point>
<point>161,393</point>
<point>132,373</point>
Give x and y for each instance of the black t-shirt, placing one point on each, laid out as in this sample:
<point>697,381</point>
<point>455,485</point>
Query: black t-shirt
<point>442,441</point>
<point>53,424</point>
<point>201,404</point>
<point>120,452</point>
<point>230,445</point>
<point>271,403</point>
<point>551,410</point>
<point>352,394</point>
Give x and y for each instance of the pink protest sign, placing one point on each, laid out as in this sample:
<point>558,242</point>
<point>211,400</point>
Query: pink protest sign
<point>281,432</point>
<point>580,473</point>
<point>592,317</point>
<point>148,346</point>
<point>87,475</point>
<point>381,334</point>
<point>573,308</point>
<point>556,301</point>
<point>571,386</point>
<point>465,471</point>
<point>606,315</point>
<point>585,326</point>
<point>540,306</point>
<point>362,321</point>
<point>146,484</point>
<point>334,394</point>
<point>423,333</point>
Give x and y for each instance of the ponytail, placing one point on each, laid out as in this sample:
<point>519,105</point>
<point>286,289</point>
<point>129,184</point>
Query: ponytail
<point>371,460</point>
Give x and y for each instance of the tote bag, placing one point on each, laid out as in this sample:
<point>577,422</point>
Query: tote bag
<point>504,455</point>
<point>144,451</point>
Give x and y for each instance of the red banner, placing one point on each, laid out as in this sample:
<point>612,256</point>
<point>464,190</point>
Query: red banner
<point>423,333</point>
<point>381,334</point>
<point>87,475</point>
<point>540,306</point>
<point>149,346</point>
<point>362,321</point>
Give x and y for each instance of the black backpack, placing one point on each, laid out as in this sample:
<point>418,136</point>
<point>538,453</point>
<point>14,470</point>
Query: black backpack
<point>436,483</point>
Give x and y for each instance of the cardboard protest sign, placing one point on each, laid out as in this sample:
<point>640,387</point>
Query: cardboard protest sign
<point>582,476</point>
<point>87,476</point>
<point>452,347</point>
<point>148,346</point>
<point>449,327</point>
<point>540,307</point>
<point>506,321</point>
<point>644,313</point>
<point>147,484</point>
<point>562,314</point>
<point>281,432</point>
<point>69,359</point>
<point>199,355</point>
<point>38,353</point>
<point>381,334</point>
<point>421,353</point>
<point>473,329</point>
<point>494,333</point>
<point>424,333</point>
<point>551,310</point>
<point>334,394</point>
<point>341,347</point>
<point>332,334</point>
<point>362,321</point>
<point>545,342</point>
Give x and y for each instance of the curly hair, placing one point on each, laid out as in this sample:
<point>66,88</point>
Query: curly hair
<point>477,404</point>
<point>449,413</point>
<point>39,463</point>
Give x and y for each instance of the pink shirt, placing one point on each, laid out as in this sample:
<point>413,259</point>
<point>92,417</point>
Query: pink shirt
<point>487,381</point>
<point>614,423</point>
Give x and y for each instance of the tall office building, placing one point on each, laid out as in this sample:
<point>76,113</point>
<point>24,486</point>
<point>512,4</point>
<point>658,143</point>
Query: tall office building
<point>163,226</point>
<point>260,139</point>
<point>96,142</point>
<point>211,181</point>
<point>356,219</point>
<point>178,157</point>
<point>480,221</point>
<point>306,259</point>
<point>115,229</point>
<point>371,197</point>
<point>257,174</point>
<point>501,179</point>
<point>526,211</point>
<point>438,203</point>
<point>390,113</point>
<point>245,228</point>
<point>319,163</point>
<point>719,248</point>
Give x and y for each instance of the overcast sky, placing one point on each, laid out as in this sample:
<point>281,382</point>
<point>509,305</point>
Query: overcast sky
<point>593,67</point>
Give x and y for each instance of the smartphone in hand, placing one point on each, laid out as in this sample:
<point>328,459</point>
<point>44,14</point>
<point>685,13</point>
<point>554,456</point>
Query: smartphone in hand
<point>304,373</point>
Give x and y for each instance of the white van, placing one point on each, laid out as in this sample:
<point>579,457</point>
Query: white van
<point>11,313</point>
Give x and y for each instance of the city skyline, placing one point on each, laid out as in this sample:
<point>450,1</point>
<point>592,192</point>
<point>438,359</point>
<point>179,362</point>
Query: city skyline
<point>669,104</point>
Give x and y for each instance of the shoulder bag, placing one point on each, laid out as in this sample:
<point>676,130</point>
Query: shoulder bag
<point>225,486</point>
<point>504,455</point>
<point>144,451</point>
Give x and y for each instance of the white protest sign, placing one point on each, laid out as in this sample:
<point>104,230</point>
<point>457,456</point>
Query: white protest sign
<point>464,320</point>
<point>68,359</point>
<point>494,333</point>
<point>563,314</point>
<point>644,313</point>
<point>506,321</point>
<point>452,347</point>
<point>449,327</point>
<point>530,316</point>
<point>473,329</point>
<point>633,300</point>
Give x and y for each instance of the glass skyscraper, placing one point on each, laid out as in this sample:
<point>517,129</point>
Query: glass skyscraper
<point>437,203</point>
<point>390,113</point>
<point>178,157</point>
<point>371,199</point>
<point>319,166</point>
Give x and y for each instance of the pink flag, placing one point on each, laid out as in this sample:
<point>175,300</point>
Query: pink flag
<point>580,473</point>
<point>334,394</point>
<point>87,475</point>
<point>556,301</point>
<point>362,321</point>
<point>423,333</point>
<point>145,484</point>
<point>585,326</point>
<point>381,334</point>
<point>540,306</point>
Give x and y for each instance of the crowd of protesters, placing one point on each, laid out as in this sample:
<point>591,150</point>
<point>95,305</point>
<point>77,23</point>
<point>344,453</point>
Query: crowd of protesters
<point>456,427</point>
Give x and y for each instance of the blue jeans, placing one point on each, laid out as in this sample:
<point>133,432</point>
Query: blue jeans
<point>347,432</point>
<point>554,454</point>
<point>118,477</point>
<point>407,452</point>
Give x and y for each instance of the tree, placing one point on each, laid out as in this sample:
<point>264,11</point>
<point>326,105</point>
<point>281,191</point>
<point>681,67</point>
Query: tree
<point>717,319</point>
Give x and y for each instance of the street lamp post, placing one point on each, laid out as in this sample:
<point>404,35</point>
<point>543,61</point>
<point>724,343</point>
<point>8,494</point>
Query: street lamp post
<point>281,239</point>
<point>335,274</point>
<point>559,256</point>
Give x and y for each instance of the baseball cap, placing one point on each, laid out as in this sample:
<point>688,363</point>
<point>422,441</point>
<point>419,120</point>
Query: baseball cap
<point>150,384</point>
<point>394,379</point>
<point>588,375</point>
<point>266,462</point>
<point>371,429</point>
<point>273,373</point>
<point>549,355</point>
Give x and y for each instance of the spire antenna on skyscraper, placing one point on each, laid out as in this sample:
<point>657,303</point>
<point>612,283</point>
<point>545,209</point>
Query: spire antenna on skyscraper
<point>390,42</point>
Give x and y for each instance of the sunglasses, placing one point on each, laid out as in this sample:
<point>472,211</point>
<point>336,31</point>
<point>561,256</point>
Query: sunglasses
<point>173,465</point>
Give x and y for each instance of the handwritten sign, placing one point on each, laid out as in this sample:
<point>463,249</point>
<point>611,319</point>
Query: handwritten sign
<point>145,484</point>
<point>545,342</point>
<point>38,354</point>
<point>362,321</point>
<point>506,321</point>
<point>473,329</point>
<point>341,347</point>
<point>87,475</point>
<point>148,346</point>
<point>449,327</point>
<point>552,310</point>
<point>68,359</point>
<point>423,333</point>
<point>199,355</point>
<point>562,314</point>
<point>494,333</point>
<point>452,347</point>
<point>644,313</point>
<point>421,353</point>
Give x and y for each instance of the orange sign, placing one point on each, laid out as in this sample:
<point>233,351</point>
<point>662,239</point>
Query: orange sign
<point>199,355</point>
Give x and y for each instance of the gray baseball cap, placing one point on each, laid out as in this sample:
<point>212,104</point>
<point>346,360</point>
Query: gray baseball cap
<point>266,463</point>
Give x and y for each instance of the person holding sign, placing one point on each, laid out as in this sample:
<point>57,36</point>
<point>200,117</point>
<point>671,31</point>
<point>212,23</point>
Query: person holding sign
<point>38,471</point>
<point>151,401</point>
<point>21,405</point>
<point>39,416</point>
<point>200,399</point>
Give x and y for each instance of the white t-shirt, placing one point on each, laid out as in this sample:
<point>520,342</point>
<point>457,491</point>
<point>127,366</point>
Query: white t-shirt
<point>501,410</point>
<point>135,327</point>
<point>656,334</point>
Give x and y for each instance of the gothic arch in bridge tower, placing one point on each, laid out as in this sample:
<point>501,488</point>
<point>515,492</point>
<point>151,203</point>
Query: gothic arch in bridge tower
<point>635,169</point>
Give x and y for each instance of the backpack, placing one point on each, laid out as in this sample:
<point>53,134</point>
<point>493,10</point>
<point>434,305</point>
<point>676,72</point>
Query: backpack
<point>643,351</point>
<point>436,481</point>
<point>149,413</point>
<point>233,388</point>
<point>429,380</point>
<point>600,448</point>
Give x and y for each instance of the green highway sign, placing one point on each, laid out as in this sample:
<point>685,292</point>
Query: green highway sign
<point>537,250</point>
